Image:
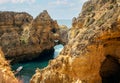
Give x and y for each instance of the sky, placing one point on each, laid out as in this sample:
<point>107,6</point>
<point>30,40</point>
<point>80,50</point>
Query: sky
<point>58,9</point>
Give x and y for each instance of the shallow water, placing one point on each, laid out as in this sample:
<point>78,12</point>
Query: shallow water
<point>30,67</point>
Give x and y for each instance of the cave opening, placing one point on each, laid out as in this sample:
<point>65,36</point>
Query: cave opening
<point>110,70</point>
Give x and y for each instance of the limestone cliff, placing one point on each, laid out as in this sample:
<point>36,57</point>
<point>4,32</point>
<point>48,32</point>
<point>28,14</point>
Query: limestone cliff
<point>6,75</point>
<point>24,38</point>
<point>63,34</point>
<point>92,54</point>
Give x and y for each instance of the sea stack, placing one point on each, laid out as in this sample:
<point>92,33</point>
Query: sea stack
<point>92,54</point>
<point>23,38</point>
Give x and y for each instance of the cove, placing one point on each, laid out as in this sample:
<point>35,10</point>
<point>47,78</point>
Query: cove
<point>29,67</point>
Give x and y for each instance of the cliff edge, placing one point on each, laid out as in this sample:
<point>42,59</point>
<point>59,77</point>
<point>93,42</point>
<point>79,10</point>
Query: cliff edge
<point>92,54</point>
<point>24,38</point>
<point>6,75</point>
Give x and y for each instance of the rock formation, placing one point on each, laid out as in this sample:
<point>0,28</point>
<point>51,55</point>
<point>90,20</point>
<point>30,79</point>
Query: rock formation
<point>63,34</point>
<point>6,75</point>
<point>92,54</point>
<point>24,38</point>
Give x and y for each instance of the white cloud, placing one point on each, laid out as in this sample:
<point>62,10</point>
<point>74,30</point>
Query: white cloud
<point>16,1</point>
<point>22,1</point>
<point>59,2</point>
<point>3,1</point>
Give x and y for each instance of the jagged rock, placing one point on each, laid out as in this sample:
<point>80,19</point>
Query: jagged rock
<point>14,19</point>
<point>6,75</point>
<point>74,21</point>
<point>92,54</point>
<point>63,34</point>
<point>24,38</point>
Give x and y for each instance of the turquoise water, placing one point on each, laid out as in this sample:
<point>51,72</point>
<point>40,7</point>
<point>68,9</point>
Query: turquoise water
<point>30,67</point>
<point>58,49</point>
<point>66,22</point>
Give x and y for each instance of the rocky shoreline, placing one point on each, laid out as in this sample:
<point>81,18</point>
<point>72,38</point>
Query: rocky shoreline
<point>24,38</point>
<point>6,74</point>
<point>92,53</point>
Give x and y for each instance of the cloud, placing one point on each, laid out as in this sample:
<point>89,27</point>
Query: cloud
<point>3,1</point>
<point>22,1</point>
<point>59,2</point>
<point>16,1</point>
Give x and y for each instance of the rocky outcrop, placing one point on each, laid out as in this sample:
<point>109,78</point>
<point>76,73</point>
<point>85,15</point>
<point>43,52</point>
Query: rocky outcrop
<point>92,53</point>
<point>6,75</point>
<point>24,38</point>
<point>63,34</point>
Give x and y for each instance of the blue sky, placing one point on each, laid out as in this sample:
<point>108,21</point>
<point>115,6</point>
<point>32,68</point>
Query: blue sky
<point>58,9</point>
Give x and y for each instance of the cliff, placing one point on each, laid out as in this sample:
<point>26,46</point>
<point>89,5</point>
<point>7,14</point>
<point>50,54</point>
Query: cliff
<point>63,34</point>
<point>92,54</point>
<point>6,75</point>
<point>24,38</point>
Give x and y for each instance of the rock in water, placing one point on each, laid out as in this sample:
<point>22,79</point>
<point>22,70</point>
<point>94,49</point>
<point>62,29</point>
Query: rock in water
<point>24,38</point>
<point>92,54</point>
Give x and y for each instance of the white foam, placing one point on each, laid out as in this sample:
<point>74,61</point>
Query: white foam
<point>58,49</point>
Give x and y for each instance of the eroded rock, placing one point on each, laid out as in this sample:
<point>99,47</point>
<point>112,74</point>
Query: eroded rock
<point>6,75</point>
<point>24,38</point>
<point>84,58</point>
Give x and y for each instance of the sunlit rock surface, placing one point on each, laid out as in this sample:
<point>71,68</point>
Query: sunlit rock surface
<point>63,34</point>
<point>92,54</point>
<point>24,38</point>
<point>6,75</point>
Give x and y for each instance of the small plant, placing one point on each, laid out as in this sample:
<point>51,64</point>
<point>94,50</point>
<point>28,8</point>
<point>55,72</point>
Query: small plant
<point>25,35</point>
<point>90,8</point>
<point>23,40</point>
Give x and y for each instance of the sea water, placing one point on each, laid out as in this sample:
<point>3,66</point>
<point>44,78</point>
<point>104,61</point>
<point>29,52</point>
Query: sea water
<point>29,67</point>
<point>66,22</point>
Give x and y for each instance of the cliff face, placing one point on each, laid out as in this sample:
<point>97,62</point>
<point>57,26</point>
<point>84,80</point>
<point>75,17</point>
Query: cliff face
<point>63,34</point>
<point>6,75</point>
<point>92,54</point>
<point>24,38</point>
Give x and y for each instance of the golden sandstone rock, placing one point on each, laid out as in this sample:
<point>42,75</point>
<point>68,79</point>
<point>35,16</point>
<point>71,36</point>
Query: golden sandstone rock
<point>6,75</point>
<point>24,38</point>
<point>92,54</point>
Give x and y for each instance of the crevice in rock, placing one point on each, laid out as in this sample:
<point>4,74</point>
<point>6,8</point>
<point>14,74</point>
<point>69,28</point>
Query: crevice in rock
<point>54,30</point>
<point>110,70</point>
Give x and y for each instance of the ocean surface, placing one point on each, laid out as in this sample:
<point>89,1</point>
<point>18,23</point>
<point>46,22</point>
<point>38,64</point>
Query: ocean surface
<point>66,22</point>
<point>30,67</point>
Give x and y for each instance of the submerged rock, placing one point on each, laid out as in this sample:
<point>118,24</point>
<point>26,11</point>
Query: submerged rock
<point>92,53</point>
